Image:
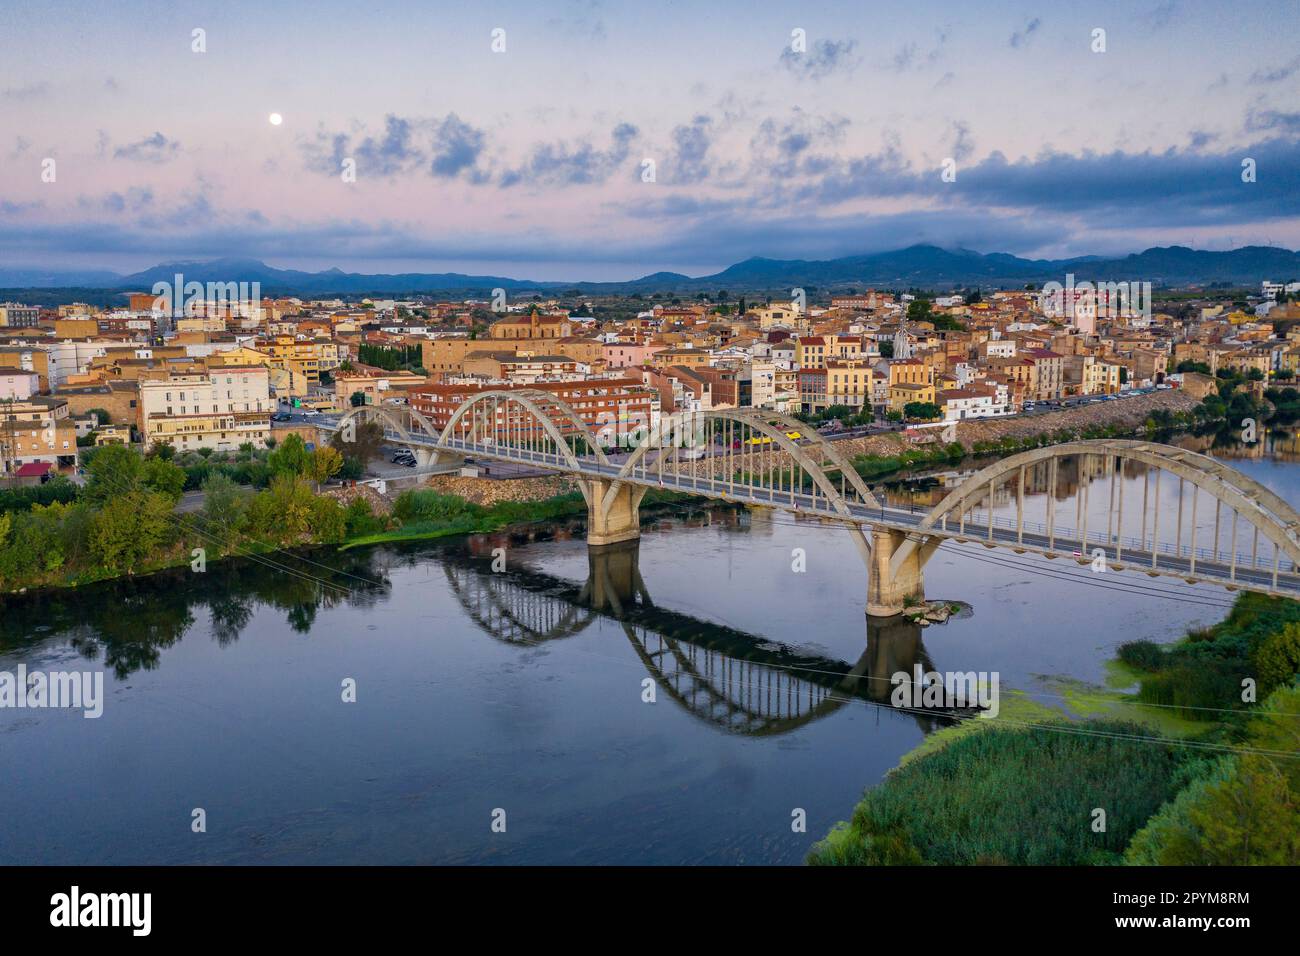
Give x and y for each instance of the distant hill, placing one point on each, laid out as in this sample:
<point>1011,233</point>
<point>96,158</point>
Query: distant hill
<point>923,266</point>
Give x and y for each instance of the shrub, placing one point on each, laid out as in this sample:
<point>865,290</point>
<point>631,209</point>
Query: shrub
<point>1144,655</point>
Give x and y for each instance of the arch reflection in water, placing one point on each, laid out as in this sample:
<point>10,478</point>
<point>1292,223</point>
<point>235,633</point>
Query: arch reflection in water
<point>739,682</point>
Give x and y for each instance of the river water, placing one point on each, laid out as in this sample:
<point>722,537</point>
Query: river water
<point>518,695</point>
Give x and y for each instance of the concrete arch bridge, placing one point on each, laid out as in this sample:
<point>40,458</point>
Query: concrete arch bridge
<point>1137,505</point>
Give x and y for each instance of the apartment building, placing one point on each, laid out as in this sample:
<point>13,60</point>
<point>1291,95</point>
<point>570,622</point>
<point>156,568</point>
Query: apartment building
<point>34,430</point>
<point>18,384</point>
<point>600,403</point>
<point>849,382</point>
<point>221,408</point>
<point>16,316</point>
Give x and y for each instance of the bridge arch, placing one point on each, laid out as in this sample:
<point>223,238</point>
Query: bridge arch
<point>400,418</point>
<point>541,406</point>
<point>1265,511</point>
<point>771,426</point>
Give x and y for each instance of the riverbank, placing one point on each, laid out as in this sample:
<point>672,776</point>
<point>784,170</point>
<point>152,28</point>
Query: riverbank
<point>1190,769</point>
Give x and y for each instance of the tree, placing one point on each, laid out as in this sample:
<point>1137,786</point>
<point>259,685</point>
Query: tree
<point>1251,820</point>
<point>282,513</point>
<point>359,398</point>
<point>291,457</point>
<point>924,411</point>
<point>1277,659</point>
<point>114,470</point>
<point>164,477</point>
<point>128,529</point>
<point>918,310</point>
<point>223,507</point>
<point>324,464</point>
<point>102,416</point>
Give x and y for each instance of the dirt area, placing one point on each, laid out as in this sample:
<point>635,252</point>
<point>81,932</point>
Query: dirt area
<point>379,504</point>
<point>486,491</point>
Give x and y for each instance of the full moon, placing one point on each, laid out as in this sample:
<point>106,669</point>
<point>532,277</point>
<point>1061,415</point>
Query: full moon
<point>276,119</point>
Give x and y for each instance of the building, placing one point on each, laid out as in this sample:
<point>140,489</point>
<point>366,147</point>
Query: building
<point>519,366</point>
<point>959,404</point>
<point>36,430</point>
<point>849,382</point>
<point>902,394</point>
<point>221,408</point>
<point>604,405</point>
<point>375,386</point>
<point>18,384</point>
<point>536,326</point>
<point>16,316</point>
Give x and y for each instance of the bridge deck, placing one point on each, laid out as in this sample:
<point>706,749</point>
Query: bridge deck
<point>1126,553</point>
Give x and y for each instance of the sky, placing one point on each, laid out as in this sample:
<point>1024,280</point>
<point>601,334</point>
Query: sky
<point>605,140</point>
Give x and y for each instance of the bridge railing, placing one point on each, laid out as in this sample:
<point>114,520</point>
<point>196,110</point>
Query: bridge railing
<point>1066,536</point>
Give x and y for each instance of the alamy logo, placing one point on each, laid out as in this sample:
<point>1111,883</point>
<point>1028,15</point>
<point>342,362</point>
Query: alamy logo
<point>1085,301</point>
<point>103,909</point>
<point>81,690</point>
<point>180,298</point>
<point>953,689</point>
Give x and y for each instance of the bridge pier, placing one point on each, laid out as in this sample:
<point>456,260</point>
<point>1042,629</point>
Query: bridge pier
<point>889,593</point>
<point>613,511</point>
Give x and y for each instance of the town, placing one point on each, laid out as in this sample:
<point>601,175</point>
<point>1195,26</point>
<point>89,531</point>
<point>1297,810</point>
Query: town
<point>221,375</point>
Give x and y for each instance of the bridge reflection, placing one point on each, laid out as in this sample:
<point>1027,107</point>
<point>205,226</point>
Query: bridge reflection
<point>736,681</point>
<point>739,682</point>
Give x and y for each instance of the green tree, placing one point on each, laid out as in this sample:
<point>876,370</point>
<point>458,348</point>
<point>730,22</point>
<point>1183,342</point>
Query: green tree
<point>324,464</point>
<point>165,477</point>
<point>224,505</point>
<point>114,470</point>
<point>1277,659</point>
<point>1252,820</point>
<point>291,457</point>
<point>128,529</point>
<point>283,512</point>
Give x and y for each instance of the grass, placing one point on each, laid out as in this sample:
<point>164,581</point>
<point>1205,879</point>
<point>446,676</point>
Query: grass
<point>1012,796</point>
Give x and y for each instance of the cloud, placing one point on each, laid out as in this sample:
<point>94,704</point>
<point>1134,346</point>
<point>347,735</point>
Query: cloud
<point>908,56</point>
<point>689,162</point>
<point>456,149</point>
<point>963,147</point>
<point>1021,37</point>
<point>1277,74</point>
<point>386,155</point>
<point>580,18</point>
<point>787,148</point>
<point>824,58</point>
<point>558,164</point>
<point>1273,121</point>
<point>22,94</point>
<point>453,148</point>
<point>152,149</point>
<point>1162,14</point>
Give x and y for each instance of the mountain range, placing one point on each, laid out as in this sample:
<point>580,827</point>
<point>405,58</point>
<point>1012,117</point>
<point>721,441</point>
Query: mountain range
<point>921,266</point>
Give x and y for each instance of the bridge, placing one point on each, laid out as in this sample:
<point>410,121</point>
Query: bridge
<point>765,459</point>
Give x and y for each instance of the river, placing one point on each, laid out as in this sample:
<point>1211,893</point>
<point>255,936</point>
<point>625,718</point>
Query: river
<point>522,690</point>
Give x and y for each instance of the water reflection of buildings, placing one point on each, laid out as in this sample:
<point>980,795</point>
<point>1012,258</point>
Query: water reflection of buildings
<point>738,682</point>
